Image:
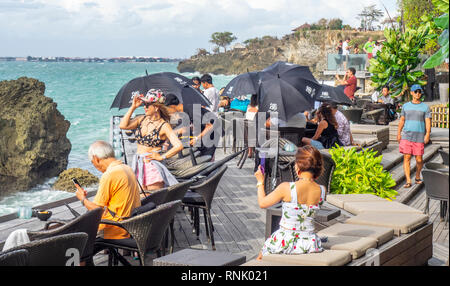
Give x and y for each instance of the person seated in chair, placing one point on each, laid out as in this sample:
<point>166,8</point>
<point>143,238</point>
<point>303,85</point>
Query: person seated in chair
<point>118,191</point>
<point>176,109</point>
<point>301,200</point>
<point>326,135</point>
<point>344,132</point>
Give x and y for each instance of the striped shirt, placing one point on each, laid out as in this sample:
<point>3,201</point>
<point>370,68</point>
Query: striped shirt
<point>415,114</point>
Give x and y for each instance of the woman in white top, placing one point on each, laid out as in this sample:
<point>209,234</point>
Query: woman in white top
<point>301,201</point>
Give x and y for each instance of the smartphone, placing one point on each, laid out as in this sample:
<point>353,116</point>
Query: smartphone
<point>263,164</point>
<point>75,181</point>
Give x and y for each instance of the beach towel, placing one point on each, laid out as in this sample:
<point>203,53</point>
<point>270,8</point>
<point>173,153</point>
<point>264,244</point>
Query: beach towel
<point>16,238</point>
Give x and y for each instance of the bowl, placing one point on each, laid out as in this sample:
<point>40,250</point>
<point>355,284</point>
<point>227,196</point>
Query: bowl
<point>43,215</point>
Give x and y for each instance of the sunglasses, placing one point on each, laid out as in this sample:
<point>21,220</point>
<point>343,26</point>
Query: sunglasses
<point>147,105</point>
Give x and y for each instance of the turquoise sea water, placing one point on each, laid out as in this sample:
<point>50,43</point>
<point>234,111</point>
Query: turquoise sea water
<point>83,92</point>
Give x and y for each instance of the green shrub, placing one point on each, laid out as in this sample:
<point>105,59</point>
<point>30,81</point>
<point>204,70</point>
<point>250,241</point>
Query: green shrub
<point>360,173</point>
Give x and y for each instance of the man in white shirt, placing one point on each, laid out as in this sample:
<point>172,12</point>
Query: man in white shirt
<point>345,52</point>
<point>210,92</point>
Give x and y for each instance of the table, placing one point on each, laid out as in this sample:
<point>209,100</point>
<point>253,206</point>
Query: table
<point>195,257</point>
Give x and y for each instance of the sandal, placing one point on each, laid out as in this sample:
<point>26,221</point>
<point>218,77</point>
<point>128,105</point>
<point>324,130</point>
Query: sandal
<point>419,181</point>
<point>407,185</point>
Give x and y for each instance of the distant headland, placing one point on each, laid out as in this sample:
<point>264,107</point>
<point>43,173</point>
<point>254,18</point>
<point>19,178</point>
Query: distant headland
<point>90,59</point>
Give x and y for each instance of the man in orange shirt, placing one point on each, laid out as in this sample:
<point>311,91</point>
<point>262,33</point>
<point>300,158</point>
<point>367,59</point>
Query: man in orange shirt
<point>118,191</point>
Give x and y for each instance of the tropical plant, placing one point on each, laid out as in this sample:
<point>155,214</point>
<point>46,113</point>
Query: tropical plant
<point>395,65</point>
<point>222,39</point>
<point>360,173</point>
<point>441,22</point>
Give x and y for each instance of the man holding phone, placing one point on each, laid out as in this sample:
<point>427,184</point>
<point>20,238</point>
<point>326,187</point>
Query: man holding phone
<point>118,191</point>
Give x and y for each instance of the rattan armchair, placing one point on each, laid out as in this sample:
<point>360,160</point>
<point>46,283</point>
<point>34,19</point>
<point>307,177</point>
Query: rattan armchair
<point>201,196</point>
<point>436,187</point>
<point>53,251</point>
<point>14,258</point>
<point>87,223</point>
<point>146,230</point>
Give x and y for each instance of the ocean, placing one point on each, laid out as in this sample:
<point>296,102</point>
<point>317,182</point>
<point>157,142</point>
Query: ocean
<point>83,93</point>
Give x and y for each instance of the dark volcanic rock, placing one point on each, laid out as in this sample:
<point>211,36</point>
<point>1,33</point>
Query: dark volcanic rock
<point>64,182</point>
<point>33,142</point>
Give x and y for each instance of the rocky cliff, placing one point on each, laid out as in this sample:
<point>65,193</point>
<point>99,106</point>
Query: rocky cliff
<point>33,142</point>
<point>308,48</point>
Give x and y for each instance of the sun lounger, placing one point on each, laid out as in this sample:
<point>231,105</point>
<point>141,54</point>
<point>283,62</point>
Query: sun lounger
<point>402,223</point>
<point>357,246</point>
<point>380,234</point>
<point>324,258</point>
<point>378,207</point>
<point>340,200</point>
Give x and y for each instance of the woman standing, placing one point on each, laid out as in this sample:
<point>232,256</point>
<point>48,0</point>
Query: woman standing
<point>301,200</point>
<point>151,130</point>
<point>326,135</point>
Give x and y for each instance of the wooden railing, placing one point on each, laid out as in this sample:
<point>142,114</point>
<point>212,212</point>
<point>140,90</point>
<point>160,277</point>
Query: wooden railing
<point>439,116</point>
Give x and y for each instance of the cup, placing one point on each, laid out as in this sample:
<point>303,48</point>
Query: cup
<point>24,212</point>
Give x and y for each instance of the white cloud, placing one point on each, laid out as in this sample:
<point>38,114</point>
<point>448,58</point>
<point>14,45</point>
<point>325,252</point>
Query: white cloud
<point>159,25</point>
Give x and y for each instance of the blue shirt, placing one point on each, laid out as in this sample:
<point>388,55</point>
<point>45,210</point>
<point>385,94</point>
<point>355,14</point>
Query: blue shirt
<point>415,114</point>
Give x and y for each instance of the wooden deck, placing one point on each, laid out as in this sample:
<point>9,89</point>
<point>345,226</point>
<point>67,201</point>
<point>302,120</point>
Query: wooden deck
<point>239,222</point>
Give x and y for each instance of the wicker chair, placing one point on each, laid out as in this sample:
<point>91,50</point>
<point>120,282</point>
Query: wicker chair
<point>187,174</point>
<point>436,187</point>
<point>14,258</point>
<point>353,114</point>
<point>201,197</point>
<point>87,223</point>
<point>147,231</point>
<point>52,251</point>
<point>186,164</point>
<point>444,156</point>
<point>176,193</point>
<point>173,164</point>
<point>292,134</point>
<point>157,197</point>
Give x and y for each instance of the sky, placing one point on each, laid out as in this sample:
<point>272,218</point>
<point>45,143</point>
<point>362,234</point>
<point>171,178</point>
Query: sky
<point>170,28</point>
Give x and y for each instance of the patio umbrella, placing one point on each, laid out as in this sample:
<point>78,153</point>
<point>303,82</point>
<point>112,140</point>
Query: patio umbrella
<point>278,95</point>
<point>287,89</point>
<point>243,84</point>
<point>168,82</point>
<point>334,94</point>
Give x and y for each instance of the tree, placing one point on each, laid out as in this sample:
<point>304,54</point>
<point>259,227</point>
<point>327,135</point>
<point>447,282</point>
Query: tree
<point>335,24</point>
<point>223,39</point>
<point>369,16</point>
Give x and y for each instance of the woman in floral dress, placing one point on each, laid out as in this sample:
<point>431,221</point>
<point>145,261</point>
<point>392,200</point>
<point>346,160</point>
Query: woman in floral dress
<point>301,200</point>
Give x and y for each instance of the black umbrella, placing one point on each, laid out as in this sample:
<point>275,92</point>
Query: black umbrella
<point>277,95</point>
<point>243,84</point>
<point>166,81</point>
<point>334,94</point>
<point>287,89</point>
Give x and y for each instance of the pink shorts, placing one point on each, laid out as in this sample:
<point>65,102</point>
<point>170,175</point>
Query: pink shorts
<point>411,148</point>
<point>151,174</point>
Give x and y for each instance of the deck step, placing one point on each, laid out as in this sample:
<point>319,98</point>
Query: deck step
<point>398,175</point>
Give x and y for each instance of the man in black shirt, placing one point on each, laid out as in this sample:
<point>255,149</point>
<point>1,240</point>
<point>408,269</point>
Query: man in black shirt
<point>196,122</point>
